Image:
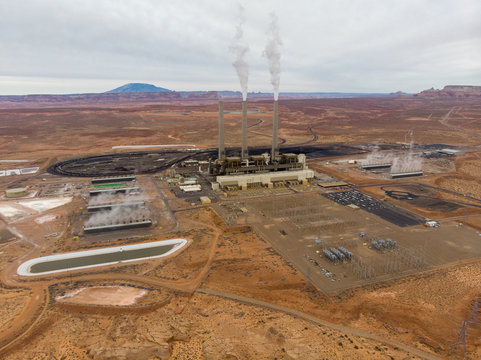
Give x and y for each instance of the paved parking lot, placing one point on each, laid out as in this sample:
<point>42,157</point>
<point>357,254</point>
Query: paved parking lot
<point>393,214</point>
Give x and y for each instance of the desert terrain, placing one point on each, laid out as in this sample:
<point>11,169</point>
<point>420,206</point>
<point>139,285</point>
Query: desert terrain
<point>242,287</point>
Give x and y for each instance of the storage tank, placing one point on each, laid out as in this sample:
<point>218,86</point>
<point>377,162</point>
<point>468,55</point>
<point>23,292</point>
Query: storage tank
<point>16,192</point>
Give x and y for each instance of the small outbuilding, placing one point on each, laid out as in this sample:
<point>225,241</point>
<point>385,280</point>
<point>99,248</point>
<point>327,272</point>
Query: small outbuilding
<point>431,223</point>
<point>190,188</point>
<point>205,200</point>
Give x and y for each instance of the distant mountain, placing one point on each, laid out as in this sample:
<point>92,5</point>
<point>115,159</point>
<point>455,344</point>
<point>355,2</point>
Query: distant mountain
<point>147,94</point>
<point>226,94</point>
<point>137,88</point>
<point>400,94</point>
<point>452,91</point>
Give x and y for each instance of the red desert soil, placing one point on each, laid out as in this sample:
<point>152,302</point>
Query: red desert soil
<point>49,132</point>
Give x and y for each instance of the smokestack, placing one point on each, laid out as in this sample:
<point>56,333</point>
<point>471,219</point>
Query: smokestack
<point>221,131</point>
<point>275,146</point>
<point>244,152</point>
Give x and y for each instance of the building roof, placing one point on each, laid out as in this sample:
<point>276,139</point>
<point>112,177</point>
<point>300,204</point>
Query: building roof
<point>188,188</point>
<point>450,151</point>
<point>333,184</point>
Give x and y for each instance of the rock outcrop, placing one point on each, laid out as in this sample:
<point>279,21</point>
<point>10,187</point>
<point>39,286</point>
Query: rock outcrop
<point>452,91</point>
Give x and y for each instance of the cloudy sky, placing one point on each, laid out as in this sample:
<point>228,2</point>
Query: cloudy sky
<point>71,46</point>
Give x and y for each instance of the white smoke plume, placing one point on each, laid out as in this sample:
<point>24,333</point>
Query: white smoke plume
<point>376,157</point>
<point>109,198</point>
<point>400,163</point>
<point>239,48</point>
<point>273,54</point>
<point>409,163</point>
<point>119,214</point>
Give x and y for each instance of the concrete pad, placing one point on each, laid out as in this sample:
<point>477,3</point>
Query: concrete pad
<point>44,205</point>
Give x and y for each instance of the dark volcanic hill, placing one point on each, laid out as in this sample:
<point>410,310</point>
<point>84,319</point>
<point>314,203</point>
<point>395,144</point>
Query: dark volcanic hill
<point>136,88</point>
<point>452,91</point>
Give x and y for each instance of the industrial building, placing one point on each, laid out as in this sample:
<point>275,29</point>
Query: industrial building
<point>25,171</point>
<point>204,200</point>
<point>450,152</point>
<point>190,188</point>
<point>121,215</point>
<point>104,207</point>
<point>115,191</point>
<point>244,180</point>
<point>406,174</point>
<point>113,227</point>
<point>113,179</point>
<point>245,170</point>
<point>12,172</point>
<point>333,184</point>
<point>375,166</point>
<point>29,170</point>
<point>108,185</point>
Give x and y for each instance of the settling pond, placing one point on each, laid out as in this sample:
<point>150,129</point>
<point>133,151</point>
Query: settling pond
<point>99,257</point>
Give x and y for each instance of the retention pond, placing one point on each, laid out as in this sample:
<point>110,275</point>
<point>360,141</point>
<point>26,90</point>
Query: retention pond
<point>99,257</point>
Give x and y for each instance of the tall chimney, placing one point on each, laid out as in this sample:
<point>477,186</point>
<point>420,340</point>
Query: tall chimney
<point>275,146</point>
<point>221,131</point>
<point>244,152</point>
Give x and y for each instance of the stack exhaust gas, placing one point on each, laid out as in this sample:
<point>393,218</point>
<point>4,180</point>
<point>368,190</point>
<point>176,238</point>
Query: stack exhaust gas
<point>275,146</point>
<point>244,152</point>
<point>221,131</point>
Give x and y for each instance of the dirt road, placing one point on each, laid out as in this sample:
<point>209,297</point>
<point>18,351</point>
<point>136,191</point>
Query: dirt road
<point>444,120</point>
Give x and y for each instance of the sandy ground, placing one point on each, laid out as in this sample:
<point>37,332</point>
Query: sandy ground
<point>108,295</point>
<point>20,209</point>
<point>207,328</point>
<point>45,204</point>
<point>9,211</point>
<point>333,120</point>
<point>13,301</point>
<point>45,219</point>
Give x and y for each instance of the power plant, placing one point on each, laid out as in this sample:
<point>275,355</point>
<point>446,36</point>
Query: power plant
<point>263,169</point>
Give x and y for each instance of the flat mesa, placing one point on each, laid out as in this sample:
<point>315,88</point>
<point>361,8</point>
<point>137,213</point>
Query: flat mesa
<point>100,257</point>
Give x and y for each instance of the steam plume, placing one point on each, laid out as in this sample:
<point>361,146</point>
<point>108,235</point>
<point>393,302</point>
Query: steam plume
<point>118,215</point>
<point>409,163</point>
<point>273,54</point>
<point>240,48</point>
<point>400,163</point>
<point>117,198</point>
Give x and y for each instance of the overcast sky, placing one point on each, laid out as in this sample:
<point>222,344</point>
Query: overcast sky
<point>72,46</point>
